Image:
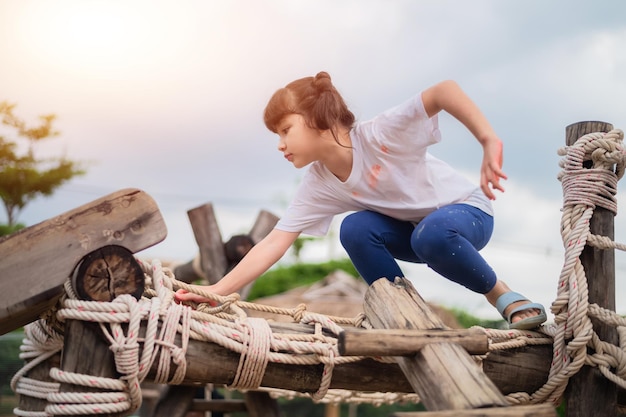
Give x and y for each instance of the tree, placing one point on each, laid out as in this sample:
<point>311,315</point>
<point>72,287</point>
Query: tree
<point>23,176</point>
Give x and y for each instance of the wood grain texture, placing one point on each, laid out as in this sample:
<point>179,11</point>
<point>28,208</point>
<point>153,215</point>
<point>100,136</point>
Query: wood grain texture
<point>442,374</point>
<point>36,261</point>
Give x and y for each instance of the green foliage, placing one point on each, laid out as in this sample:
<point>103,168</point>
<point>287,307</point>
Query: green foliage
<point>283,278</point>
<point>5,229</point>
<point>298,245</point>
<point>23,176</point>
<point>10,361</point>
<point>466,320</point>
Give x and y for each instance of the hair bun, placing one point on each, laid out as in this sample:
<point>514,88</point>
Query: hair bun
<point>322,81</point>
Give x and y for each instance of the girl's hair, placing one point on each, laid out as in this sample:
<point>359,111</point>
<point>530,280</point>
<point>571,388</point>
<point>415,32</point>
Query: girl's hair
<point>315,99</point>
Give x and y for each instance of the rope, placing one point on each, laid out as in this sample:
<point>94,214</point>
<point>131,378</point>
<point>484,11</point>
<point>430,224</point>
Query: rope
<point>584,189</point>
<point>254,357</point>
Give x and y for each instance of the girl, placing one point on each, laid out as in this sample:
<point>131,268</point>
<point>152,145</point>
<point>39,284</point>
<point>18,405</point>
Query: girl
<point>406,204</point>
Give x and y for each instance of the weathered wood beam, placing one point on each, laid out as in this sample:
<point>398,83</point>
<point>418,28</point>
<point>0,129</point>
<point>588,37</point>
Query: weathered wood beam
<point>36,261</point>
<point>443,374</point>
<point>211,363</point>
<point>396,342</point>
<point>41,373</point>
<point>85,352</point>
<point>213,260</point>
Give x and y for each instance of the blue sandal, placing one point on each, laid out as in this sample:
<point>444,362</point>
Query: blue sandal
<point>528,323</point>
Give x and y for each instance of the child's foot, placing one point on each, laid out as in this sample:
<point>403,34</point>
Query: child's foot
<point>519,312</point>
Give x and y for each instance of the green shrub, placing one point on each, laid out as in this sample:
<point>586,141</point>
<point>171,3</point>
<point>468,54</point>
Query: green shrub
<point>284,278</point>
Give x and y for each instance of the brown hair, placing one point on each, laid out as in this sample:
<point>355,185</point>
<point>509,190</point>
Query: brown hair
<point>315,99</point>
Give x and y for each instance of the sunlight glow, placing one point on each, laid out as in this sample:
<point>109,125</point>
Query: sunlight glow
<point>99,38</point>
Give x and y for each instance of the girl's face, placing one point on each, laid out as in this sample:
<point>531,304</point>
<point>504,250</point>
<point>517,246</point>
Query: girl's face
<point>299,143</point>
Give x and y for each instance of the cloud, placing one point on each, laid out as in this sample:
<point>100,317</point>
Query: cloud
<point>175,108</point>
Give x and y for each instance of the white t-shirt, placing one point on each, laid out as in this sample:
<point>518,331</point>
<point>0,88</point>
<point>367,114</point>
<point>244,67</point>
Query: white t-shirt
<point>392,173</point>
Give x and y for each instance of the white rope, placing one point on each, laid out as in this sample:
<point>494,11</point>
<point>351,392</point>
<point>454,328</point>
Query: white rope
<point>584,189</point>
<point>254,357</point>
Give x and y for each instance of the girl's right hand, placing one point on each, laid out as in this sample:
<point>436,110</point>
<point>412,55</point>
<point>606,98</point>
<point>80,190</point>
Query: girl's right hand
<point>184,295</point>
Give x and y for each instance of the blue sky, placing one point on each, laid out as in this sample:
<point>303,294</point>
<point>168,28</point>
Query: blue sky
<point>167,96</point>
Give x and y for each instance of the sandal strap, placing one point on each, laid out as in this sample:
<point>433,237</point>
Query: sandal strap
<point>527,306</point>
<point>507,299</point>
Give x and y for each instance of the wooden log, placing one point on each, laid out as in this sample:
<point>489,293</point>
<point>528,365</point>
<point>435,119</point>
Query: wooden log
<point>264,223</point>
<point>211,363</point>
<point>206,232</point>
<point>36,261</point>
<point>395,342</point>
<point>213,260</point>
<point>443,374</point>
<point>589,392</point>
<point>540,410</point>
<point>106,273</point>
<point>85,353</point>
<point>41,373</point>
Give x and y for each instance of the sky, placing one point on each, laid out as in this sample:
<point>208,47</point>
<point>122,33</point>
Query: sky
<point>168,96</point>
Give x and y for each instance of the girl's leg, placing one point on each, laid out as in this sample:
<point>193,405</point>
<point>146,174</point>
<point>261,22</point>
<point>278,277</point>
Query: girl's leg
<point>448,240</point>
<point>373,240</point>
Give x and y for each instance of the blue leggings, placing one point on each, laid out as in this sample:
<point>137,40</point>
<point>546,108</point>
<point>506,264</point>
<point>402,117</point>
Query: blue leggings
<point>447,240</point>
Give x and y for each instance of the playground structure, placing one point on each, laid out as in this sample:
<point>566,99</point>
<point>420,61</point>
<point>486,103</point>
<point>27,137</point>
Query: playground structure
<point>103,321</point>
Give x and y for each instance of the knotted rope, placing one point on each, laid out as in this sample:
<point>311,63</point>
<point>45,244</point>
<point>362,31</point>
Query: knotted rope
<point>575,342</point>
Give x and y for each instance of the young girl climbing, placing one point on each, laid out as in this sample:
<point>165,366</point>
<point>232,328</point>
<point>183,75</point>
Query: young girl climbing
<point>405,204</point>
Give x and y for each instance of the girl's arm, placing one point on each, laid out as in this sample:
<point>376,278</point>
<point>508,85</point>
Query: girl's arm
<point>448,96</point>
<point>258,260</point>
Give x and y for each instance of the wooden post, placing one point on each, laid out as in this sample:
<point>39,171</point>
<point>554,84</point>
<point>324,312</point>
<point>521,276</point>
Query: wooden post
<point>443,374</point>
<point>85,352</point>
<point>41,372</point>
<point>213,261</point>
<point>588,392</point>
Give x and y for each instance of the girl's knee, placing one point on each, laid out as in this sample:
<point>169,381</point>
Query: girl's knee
<point>352,230</point>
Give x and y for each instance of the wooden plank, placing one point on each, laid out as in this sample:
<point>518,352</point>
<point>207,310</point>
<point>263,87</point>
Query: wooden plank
<point>540,410</point>
<point>395,342</point>
<point>443,374</point>
<point>36,261</point>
